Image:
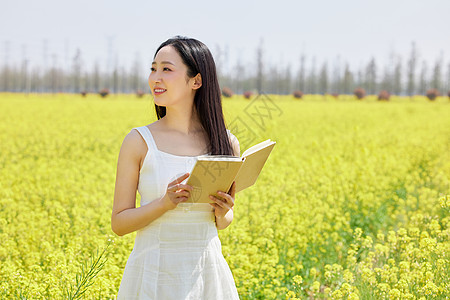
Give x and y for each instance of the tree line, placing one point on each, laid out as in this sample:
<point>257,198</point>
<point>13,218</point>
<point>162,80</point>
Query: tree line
<point>401,76</point>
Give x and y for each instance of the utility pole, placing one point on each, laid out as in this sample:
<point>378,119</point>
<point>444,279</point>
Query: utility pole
<point>6,68</point>
<point>24,81</point>
<point>259,64</point>
<point>412,63</point>
<point>109,60</point>
<point>45,67</point>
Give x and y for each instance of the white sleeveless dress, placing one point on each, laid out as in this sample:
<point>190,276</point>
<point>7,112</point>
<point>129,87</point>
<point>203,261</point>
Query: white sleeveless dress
<point>179,255</point>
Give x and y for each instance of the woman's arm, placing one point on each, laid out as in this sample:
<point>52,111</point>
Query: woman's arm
<point>126,217</point>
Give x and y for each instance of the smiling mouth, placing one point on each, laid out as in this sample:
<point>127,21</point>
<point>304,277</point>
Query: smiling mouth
<point>159,91</point>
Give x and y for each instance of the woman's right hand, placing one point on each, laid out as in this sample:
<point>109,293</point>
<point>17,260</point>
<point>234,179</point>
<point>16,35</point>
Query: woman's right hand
<point>176,192</point>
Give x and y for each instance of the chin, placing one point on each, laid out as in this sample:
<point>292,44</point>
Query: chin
<point>158,102</point>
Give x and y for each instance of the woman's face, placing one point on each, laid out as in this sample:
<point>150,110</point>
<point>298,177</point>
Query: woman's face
<point>167,79</point>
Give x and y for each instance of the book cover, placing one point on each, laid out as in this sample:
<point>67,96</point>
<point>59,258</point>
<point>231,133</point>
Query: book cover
<point>212,173</point>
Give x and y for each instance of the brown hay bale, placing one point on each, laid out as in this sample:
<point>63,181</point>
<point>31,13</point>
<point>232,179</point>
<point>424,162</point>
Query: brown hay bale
<point>360,93</point>
<point>432,94</point>
<point>227,92</point>
<point>384,95</point>
<point>298,94</point>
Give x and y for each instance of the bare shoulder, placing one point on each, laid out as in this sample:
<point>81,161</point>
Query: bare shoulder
<point>234,144</point>
<point>133,146</point>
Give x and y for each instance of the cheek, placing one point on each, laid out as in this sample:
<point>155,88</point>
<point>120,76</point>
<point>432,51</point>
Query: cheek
<point>150,80</point>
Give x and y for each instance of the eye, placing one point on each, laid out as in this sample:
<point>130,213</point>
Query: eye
<point>152,69</point>
<point>167,69</point>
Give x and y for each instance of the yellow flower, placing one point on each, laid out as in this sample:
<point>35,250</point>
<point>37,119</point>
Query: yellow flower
<point>445,201</point>
<point>298,280</point>
<point>315,286</point>
<point>353,296</point>
<point>348,276</point>
<point>357,233</point>
<point>394,294</point>
<point>380,237</point>
<point>430,289</point>
<point>346,288</point>
<point>337,295</point>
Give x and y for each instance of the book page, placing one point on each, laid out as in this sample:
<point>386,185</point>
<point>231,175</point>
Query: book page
<point>257,147</point>
<point>253,163</point>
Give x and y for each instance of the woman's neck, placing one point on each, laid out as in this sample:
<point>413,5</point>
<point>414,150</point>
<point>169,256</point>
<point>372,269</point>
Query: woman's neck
<point>182,119</point>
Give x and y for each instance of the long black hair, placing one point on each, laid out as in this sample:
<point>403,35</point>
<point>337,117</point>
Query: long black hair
<point>207,101</point>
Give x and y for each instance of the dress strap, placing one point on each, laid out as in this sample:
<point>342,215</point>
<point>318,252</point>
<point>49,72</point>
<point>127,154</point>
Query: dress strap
<point>147,136</point>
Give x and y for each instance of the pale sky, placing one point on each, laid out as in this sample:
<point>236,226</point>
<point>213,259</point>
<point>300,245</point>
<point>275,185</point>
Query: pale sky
<point>354,30</point>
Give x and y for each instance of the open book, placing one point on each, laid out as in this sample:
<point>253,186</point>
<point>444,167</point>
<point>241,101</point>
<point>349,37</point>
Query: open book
<point>212,173</point>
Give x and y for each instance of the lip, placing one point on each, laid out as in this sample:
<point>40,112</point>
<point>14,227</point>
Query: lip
<point>158,91</point>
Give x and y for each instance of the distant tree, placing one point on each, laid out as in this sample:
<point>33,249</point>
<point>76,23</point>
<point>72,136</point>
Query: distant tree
<point>412,63</point>
<point>286,80</point>
<point>135,74</point>
<point>301,75</point>
<point>447,85</point>
<point>423,78</point>
<point>96,78</point>
<point>273,85</point>
<point>436,80</point>
<point>359,78</point>
<point>76,73</point>
<point>386,81</point>
<point>259,67</point>
<point>371,76</point>
<point>311,80</point>
<point>347,80</point>
<point>323,79</point>
<point>53,74</point>
<point>115,80</point>
<point>237,75</point>
<point>123,83</point>
<point>397,80</point>
<point>25,80</point>
<point>335,82</point>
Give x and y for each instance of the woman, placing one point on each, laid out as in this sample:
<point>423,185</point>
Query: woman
<point>177,252</point>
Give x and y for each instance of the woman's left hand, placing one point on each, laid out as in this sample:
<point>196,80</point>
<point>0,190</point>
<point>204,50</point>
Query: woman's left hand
<point>224,202</point>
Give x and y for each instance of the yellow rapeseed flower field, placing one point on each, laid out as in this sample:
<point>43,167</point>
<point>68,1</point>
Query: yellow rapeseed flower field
<point>352,204</point>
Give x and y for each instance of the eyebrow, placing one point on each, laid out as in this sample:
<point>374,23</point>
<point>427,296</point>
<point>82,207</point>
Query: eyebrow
<point>164,63</point>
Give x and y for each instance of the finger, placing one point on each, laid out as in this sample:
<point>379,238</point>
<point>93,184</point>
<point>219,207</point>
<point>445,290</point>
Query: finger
<point>180,186</point>
<point>232,189</point>
<point>227,198</point>
<point>185,187</point>
<point>179,179</point>
<point>220,203</point>
<point>183,194</point>
<point>182,199</point>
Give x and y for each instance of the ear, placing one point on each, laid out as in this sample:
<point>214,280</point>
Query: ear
<point>197,83</point>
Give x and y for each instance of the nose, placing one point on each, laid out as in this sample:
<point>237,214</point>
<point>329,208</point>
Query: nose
<point>153,79</point>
